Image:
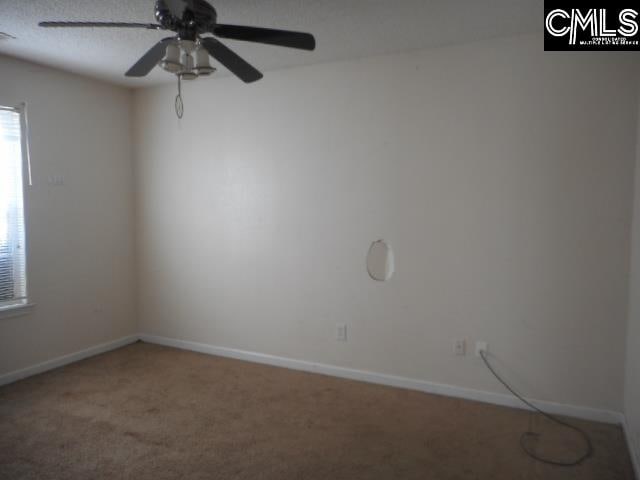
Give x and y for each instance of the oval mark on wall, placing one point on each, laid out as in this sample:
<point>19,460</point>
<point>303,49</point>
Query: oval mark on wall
<point>380,261</point>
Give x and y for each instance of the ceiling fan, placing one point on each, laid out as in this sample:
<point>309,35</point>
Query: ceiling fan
<point>186,54</point>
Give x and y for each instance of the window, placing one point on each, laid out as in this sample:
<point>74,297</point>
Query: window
<point>13,271</point>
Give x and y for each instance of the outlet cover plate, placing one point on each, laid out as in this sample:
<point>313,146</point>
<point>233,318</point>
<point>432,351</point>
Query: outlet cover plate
<point>341,332</point>
<point>481,347</point>
<point>460,347</point>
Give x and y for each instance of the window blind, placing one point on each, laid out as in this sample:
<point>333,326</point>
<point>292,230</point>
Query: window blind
<point>13,278</point>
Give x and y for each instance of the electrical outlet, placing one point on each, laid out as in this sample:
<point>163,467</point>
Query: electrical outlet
<point>481,347</point>
<point>460,347</point>
<point>55,180</point>
<point>341,332</point>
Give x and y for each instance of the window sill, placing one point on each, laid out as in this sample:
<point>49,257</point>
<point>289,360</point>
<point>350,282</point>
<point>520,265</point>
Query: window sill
<point>16,310</point>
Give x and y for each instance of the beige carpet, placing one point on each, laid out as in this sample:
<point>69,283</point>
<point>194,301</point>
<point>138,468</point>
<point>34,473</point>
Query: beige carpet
<point>149,412</point>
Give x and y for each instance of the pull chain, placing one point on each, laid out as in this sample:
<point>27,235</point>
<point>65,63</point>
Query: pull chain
<point>179,104</point>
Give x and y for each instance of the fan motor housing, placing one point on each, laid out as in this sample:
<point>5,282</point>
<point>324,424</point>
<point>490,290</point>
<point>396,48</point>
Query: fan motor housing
<point>198,17</point>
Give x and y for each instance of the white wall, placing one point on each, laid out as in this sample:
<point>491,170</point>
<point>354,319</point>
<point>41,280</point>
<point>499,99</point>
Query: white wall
<point>632,384</point>
<point>500,174</point>
<point>80,234</point>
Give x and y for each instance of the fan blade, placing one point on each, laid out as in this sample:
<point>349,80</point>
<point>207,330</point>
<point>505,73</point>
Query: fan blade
<point>282,38</point>
<point>150,26</point>
<point>232,61</point>
<point>149,59</point>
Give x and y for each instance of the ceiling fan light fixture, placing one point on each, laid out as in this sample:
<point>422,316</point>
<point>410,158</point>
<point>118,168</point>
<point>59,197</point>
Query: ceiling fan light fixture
<point>171,60</point>
<point>188,75</point>
<point>188,72</point>
<point>203,67</point>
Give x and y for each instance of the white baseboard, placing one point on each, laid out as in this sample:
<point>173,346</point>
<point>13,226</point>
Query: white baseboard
<point>634,448</point>
<point>66,359</point>
<point>586,413</point>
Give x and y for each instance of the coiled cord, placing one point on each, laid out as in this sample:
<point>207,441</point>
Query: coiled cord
<point>558,463</point>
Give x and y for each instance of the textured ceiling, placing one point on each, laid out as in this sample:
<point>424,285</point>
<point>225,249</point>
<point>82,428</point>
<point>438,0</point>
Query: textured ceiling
<point>343,28</point>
